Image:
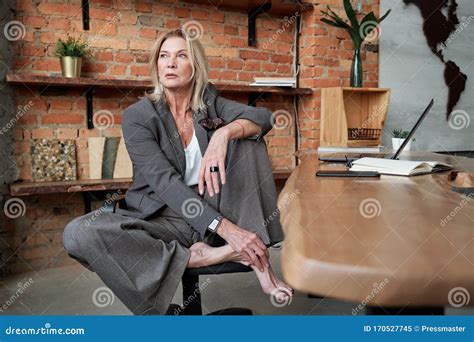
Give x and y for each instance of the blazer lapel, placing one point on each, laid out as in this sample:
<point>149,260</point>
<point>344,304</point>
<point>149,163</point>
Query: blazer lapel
<point>173,135</point>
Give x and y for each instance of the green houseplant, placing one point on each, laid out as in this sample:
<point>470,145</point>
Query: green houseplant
<point>398,136</point>
<point>71,52</point>
<point>358,31</point>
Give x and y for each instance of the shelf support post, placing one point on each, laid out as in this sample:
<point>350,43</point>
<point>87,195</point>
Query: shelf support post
<point>252,21</point>
<point>89,107</point>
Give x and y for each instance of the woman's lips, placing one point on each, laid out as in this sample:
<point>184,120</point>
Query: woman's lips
<point>171,76</point>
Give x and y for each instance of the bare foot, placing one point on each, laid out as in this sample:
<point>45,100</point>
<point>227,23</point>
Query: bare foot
<point>204,255</point>
<point>273,286</point>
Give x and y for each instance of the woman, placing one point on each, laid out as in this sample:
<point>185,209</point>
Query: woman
<point>202,191</point>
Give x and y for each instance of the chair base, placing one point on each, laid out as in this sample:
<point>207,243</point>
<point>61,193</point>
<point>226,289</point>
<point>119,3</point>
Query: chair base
<point>232,312</point>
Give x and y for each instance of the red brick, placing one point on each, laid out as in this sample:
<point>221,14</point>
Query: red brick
<point>254,54</point>
<point>148,33</point>
<point>104,56</point>
<point>35,22</point>
<point>42,133</point>
<point>217,16</point>
<point>139,70</point>
<point>123,57</point>
<point>63,119</point>
<point>143,7</point>
<point>199,15</point>
<point>59,24</point>
<point>181,12</point>
<point>60,9</point>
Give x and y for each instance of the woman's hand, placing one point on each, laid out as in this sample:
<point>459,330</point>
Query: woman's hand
<point>215,156</point>
<point>247,244</point>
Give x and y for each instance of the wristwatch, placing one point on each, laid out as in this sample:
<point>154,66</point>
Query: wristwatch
<point>215,224</point>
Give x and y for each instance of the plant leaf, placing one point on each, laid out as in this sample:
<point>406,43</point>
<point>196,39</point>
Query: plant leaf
<point>351,14</point>
<point>332,23</point>
<point>385,16</point>
<point>337,19</point>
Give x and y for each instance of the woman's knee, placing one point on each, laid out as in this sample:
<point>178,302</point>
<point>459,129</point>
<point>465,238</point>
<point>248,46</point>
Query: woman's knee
<point>75,233</point>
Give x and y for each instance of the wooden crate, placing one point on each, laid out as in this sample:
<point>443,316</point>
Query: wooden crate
<point>361,110</point>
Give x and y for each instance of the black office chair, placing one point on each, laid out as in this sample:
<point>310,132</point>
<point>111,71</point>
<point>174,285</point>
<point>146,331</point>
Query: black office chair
<point>190,280</point>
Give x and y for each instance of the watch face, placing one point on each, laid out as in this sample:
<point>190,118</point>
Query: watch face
<point>214,224</point>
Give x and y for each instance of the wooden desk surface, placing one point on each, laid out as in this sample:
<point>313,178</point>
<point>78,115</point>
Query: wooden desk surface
<point>386,242</point>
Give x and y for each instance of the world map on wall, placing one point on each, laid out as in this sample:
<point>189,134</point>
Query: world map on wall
<point>438,27</point>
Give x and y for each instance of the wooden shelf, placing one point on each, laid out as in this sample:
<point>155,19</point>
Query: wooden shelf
<point>359,112</point>
<point>86,185</point>
<point>89,82</point>
<point>278,8</point>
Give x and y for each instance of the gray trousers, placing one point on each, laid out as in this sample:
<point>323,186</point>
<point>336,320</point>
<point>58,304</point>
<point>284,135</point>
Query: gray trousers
<point>142,261</point>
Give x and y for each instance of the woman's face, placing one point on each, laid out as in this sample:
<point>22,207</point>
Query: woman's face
<point>174,64</point>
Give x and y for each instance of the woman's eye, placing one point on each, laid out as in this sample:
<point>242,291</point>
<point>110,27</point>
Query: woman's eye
<point>163,55</point>
<point>182,55</point>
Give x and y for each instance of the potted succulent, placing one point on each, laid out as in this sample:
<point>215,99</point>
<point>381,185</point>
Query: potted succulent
<point>398,137</point>
<point>358,31</point>
<point>71,52</point>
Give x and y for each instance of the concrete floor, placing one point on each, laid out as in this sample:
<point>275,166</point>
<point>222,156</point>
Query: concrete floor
<point>70,291</point>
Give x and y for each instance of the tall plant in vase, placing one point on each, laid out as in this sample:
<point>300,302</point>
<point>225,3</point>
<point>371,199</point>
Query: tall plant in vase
<point>358,31</point>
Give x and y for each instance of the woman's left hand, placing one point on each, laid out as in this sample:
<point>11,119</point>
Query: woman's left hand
<point>215,156</point>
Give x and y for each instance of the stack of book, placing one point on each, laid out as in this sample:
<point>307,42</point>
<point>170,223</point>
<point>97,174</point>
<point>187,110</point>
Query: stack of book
<point>274,82</point>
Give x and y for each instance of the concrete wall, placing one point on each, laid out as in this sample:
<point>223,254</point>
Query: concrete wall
<point>415,75</point>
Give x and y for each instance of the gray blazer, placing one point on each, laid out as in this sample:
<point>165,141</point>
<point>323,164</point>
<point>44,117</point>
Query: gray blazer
<point>158,157</point>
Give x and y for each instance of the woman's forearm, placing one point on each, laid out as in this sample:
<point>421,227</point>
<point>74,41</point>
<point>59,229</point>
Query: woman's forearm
<point>241,128</point>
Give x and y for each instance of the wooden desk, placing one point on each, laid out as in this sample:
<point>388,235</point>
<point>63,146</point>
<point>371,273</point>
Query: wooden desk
<point>382,242</point>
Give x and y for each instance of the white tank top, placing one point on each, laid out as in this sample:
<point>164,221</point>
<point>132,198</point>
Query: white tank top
<point>193,161</point>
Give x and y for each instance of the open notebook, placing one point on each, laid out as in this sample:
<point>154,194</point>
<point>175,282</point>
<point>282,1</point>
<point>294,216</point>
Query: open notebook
<point>398,167</point>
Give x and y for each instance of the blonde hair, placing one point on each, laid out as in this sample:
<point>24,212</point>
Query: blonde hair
<point>200,69</point>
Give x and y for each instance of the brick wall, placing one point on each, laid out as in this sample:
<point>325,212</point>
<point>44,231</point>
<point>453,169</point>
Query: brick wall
<point>122,32</point>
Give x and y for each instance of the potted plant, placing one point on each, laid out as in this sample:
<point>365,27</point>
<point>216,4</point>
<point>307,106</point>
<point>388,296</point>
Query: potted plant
<point>358,31</point>
<point>71,52</point>
<point>398,138</point>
